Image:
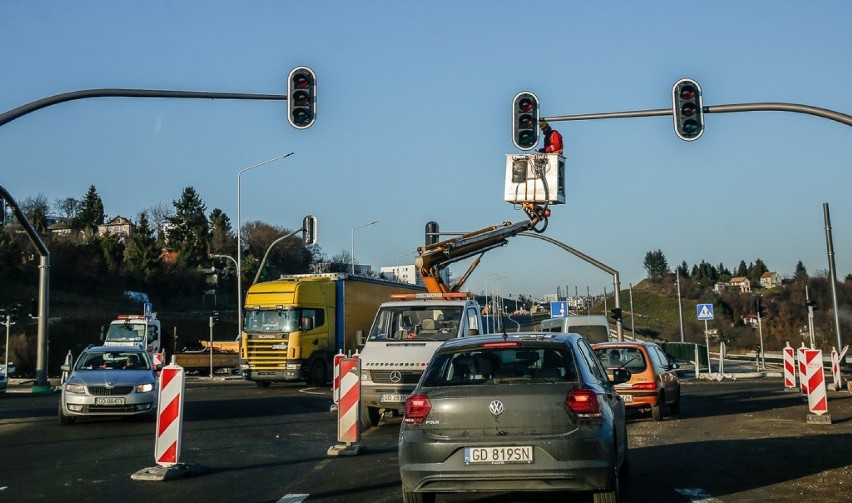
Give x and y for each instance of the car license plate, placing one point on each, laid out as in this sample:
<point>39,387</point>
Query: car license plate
<point>627,398</point>
<point>392,397</point>
<point>109,400</point>
<point>498,455</point>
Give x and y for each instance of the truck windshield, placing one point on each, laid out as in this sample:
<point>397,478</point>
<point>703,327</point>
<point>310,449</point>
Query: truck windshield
<point>272,320</point>
<point>125,332</point>
<point>416,322</point>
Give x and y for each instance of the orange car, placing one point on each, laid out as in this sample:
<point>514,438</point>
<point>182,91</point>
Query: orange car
<point>653,383</point>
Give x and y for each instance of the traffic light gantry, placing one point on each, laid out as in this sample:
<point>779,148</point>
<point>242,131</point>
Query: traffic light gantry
<point>688,109</point>
<point>525,116</point>
<point>302,97</point>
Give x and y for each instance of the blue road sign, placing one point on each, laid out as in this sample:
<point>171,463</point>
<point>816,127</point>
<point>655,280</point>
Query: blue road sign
<point>558,309</point>
<point>704,311</point>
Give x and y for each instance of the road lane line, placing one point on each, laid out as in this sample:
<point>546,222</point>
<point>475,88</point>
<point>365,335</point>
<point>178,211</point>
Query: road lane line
<point>697,495</point>
<point>293,498</point>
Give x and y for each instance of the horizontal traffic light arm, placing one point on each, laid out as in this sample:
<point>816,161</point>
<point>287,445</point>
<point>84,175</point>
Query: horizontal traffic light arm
<point>824,113</point>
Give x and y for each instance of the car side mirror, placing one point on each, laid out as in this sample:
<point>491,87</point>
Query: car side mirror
<point>65,367</point>
<point>620,376</point>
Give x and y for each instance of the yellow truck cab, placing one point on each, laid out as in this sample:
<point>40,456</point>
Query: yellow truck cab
<point>295,325</point>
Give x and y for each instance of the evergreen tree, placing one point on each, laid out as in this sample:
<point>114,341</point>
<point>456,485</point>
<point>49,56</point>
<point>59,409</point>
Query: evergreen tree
<point>656,264</point>
<point>757,270</point>
<point>742,270</point>
<point>189,234</point>
<point>800,276</point>
<point>113,248</point>
<point>223,241</point>
<point>90,214</point>
<point>683,270</point>
<point>143,252</point>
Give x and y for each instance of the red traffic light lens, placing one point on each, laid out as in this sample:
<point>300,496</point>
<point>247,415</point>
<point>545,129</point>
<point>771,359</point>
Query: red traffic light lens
<point>687,92</point>
<point>525,105</point>
<point>301,81</point>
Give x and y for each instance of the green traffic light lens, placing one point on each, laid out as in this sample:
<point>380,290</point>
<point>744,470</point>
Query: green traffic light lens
<point>691,127</point>
<point>301,116</point>
<point>526,139</point>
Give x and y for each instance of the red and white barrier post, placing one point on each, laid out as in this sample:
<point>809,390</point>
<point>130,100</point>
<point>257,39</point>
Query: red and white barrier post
<point>167,443</point>
<point>836,358</point>
<point>349,409</point>
<point>789,367</point>
<point>800,358</point>
<point>335,386</point>
<point>815,375</point>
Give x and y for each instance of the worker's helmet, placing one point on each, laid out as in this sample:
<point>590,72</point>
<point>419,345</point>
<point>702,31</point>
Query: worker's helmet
<point>542,124</point>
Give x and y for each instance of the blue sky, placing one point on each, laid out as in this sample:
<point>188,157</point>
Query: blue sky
<point>414,123</point>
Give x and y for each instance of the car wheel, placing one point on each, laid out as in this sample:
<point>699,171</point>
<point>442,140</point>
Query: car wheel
<point>316,376</point>
<point>63,419</point>
<point>413,497</point>
<point>611,495</point>
<point>658,408</point>
<point>374,415</point>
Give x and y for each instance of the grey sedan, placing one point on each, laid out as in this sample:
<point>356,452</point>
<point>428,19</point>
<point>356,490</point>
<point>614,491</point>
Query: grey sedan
<point>109,381</point>
<point>519,412</point>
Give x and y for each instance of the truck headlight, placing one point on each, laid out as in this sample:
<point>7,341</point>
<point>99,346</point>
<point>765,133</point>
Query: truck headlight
<point>365,375</point>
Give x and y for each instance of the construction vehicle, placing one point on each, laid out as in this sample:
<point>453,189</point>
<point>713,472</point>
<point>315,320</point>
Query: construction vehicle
<point>293,326</point>
<point>408,330</point>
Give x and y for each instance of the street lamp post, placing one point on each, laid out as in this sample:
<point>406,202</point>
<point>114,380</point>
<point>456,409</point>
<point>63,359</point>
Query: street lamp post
<point>240,242</point>
<point>353,241</point>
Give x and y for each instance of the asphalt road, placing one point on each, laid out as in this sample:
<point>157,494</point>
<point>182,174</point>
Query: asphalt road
<point>735,441</point>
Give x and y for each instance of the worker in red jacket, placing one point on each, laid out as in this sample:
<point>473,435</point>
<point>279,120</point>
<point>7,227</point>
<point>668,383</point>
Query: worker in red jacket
<point>552,139</point>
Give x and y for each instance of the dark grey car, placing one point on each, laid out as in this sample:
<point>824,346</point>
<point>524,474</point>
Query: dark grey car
<point>519,412</point>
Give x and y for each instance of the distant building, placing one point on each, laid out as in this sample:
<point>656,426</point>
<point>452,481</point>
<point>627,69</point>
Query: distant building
<point>404,274</point>
<point>770,280</point>
<point>741,283</point>
<point>119,226</point>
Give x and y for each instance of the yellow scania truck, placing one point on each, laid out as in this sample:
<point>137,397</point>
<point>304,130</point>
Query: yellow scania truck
<point>293,326</point>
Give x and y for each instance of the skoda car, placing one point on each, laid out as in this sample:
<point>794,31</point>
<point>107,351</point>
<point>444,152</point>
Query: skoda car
<point>109,381</point>
<point>653,383</point>
<point>514,412</point>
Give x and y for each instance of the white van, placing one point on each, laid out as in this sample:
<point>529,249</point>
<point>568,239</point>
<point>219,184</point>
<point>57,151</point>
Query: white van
<point>593,327</point>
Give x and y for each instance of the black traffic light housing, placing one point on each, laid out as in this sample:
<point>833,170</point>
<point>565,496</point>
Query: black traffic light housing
<point>617,314</point>
<point>688,109</point>
<point>432,235</point>
<point>302,97</point>
<point>525,116</point>
<point>214,317</point>
<point>309,230</point>
<point>761,309</point>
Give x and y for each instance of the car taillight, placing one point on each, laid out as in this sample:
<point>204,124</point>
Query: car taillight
<point>417,407</point>
<point>583,403</point>
<point>644,386</point>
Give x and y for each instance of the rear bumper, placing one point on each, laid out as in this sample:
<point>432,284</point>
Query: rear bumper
<point>273,375</point>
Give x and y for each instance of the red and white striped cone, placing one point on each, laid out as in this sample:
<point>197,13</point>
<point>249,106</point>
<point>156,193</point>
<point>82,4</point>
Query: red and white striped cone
<point>789,367</point>
<point>335,386</point>
<point>349,409</point>
<point>169,416</point>
<point>817,400</point>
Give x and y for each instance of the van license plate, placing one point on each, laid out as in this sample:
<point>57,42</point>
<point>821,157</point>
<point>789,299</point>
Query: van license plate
<point>110,400</point>
<point>392,397</point>
<point>498,455</point>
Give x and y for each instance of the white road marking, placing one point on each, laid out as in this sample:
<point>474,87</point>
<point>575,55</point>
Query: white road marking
<point>697,495</point>
<point>293,498</point>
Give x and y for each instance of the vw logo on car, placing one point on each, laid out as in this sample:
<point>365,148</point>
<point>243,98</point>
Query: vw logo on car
<point>496,407</point>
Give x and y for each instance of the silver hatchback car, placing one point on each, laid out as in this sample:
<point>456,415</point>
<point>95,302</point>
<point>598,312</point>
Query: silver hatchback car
<point>109,381</point>
<point>518,412</point>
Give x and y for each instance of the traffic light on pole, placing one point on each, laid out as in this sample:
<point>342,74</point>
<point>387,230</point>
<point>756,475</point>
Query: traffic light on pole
<point>302,97</point>
<point>432,236</point>
<point>525,114</point>
<point>309,230</point>
<point>617,315</point>
<point>688,109</point>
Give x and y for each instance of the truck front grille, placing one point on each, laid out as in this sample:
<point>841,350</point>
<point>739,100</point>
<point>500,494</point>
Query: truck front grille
<point>384,376</point>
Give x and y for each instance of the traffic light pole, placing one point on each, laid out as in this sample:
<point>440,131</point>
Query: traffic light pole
<point>616,283</point>
<point>743,107</point>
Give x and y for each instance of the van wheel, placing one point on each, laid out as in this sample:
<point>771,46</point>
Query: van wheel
<point>374,415</point>
<point>316,375</point>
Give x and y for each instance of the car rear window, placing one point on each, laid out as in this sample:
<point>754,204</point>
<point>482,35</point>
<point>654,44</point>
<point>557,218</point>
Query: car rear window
<point>501,365</point>
<point>632,359</point>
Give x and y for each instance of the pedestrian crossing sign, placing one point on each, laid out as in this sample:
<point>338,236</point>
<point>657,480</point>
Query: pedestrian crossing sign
<point>704,311</point>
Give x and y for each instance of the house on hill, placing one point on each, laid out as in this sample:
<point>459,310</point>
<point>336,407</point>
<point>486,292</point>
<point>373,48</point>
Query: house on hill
<point>740,282</point>
<point>119,226</point>
<point>770,280</point>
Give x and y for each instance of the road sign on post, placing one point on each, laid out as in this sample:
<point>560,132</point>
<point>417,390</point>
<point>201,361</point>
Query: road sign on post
<point>558,309</point>
<point>704,311</point>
